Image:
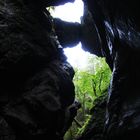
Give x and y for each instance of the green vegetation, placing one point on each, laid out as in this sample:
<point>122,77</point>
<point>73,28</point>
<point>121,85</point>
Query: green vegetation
<point>90,84</point>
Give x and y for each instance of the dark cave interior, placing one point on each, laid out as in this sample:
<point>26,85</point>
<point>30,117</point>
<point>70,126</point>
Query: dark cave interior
<point>37,97</point>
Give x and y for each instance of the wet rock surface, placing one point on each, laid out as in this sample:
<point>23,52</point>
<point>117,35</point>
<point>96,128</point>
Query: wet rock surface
<point>36,86</point>
<point>118,27</point>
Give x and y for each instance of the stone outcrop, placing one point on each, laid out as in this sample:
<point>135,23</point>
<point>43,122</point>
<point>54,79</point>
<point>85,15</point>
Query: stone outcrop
<point>90,38</point>
<point>118,26</point>
<point>36,88</point>
<point>69,33</point>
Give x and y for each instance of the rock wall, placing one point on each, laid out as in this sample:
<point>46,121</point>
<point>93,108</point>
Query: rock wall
<point>118,27</point>
<point>36,88</point>
<point>69,33</point>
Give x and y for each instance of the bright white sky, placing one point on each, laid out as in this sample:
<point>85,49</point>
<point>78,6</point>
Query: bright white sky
<point>72,12</point>
<point>69,11</point>
<point>77,57</point>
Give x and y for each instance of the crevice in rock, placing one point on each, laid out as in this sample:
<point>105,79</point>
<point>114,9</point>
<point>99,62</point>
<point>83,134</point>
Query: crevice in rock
<point>37,92</point>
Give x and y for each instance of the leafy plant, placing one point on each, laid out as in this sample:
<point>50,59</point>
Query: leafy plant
<point>90,83</point>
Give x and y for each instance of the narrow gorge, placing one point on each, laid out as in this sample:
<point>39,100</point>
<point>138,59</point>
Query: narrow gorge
<point>37,94</point>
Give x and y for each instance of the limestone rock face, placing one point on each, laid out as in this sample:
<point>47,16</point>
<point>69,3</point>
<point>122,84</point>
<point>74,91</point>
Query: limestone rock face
<point>69,33</point>
<point>118,26</point>
<point>90,37</point>
<point>36,85</point>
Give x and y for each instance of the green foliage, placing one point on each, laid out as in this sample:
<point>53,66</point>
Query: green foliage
<point>90,84</point>
<point>84,126</point>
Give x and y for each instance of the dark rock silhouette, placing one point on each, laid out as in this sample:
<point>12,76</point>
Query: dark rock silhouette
<point>118,26</point>
<point>36,86</point>
<point>68,33</point>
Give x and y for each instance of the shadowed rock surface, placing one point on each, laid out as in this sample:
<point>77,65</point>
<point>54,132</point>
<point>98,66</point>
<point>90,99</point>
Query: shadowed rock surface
<point>69,33</point>
<point>36,86</point>
<point>118,27</point>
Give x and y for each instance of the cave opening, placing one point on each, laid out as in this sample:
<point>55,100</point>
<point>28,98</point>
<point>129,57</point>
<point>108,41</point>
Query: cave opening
<point>92,74</point>
<point>37,93</point>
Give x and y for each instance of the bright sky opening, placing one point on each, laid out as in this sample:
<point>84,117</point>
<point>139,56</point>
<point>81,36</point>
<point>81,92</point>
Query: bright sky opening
<point>72,12</point>
<point>77,57</point>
